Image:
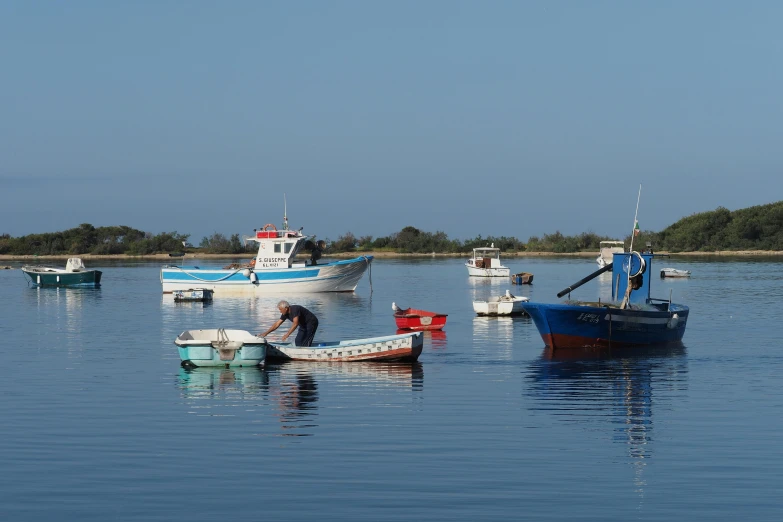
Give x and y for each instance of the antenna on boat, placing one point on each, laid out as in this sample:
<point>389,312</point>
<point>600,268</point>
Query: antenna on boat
<point>634,232</point>
<point>285,213</point>
<point>635,216</point>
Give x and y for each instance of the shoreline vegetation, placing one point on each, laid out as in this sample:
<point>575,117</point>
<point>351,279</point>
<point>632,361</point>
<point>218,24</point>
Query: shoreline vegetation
<point>753,231</point>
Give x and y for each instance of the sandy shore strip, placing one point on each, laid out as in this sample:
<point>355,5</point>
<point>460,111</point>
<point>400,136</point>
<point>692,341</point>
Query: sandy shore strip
<point>383,254</point>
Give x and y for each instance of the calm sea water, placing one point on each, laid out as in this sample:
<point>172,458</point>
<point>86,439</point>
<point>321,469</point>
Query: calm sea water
<point>99,422</point>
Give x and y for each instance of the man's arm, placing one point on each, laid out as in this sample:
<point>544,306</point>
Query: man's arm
<point>294,324</point>
<point>272,328</point>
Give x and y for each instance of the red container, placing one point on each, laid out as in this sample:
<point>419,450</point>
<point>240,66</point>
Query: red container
<point>413,319</point>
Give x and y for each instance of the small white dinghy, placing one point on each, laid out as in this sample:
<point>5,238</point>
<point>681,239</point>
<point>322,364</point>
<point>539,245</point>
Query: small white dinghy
<point>220,347</point>
<point>674,272</point>
<point>507,304</point>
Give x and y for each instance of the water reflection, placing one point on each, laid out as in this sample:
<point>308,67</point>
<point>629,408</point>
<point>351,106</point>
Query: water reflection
<point>591,388</point>
<point>292,389</point>
<point>435,339</point>
<point>210,383</point>
<point>498,334</point>
<point>65,311</point>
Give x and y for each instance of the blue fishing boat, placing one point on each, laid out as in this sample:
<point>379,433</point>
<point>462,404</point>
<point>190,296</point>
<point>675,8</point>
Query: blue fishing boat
<point>632,318</point>
<point>274,270</point>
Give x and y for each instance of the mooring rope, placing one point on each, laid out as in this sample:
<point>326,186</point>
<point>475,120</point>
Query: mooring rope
<point>369,270</point>
<point>207,280</point>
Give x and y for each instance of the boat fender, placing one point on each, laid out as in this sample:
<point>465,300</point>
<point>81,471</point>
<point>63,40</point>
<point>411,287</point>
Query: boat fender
<point>246,272</point>
<point>673,321</point>
<point>253,277</point>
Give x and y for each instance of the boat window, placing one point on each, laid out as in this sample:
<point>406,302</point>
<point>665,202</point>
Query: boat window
<point>288,247</point>
<point>278,248</point>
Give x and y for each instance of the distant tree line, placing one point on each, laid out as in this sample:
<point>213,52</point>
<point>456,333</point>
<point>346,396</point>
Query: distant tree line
<point>87,239</point>
<point>753,228</point>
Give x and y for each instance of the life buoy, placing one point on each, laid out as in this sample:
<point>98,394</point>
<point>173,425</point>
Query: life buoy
<point>253,262</point>
<point>269,225</point>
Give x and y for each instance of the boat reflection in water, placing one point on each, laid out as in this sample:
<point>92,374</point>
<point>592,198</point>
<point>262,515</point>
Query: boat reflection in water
<point>495,336</point>
<point>589,388</point>
<point>435,339</point>
<point>292,388</point>
<point>70,312</point>
<point>212,383</point>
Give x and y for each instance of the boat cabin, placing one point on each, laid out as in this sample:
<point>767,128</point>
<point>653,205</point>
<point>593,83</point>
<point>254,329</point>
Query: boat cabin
<point>486,257</point>
<point>277,248</point>
<point>606,249</point>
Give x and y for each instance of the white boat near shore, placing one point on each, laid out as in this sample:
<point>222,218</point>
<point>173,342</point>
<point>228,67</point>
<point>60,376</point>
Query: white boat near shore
<point>674,272</point>
<point>486,263</point>
<point>607,249</point>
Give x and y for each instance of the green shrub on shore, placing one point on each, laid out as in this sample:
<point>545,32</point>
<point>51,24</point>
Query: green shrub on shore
<point>753,228</point>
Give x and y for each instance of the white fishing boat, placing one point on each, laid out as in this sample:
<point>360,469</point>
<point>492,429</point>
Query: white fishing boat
<point>507,304</point>
<point>606,250</point>
<point>220,347</point>
<point>486,263</point>
<point>274,270</point>
<point>402,347</point>
<point>674,272</point>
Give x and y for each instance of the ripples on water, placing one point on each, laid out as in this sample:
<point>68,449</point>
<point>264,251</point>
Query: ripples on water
<point>100,422</point>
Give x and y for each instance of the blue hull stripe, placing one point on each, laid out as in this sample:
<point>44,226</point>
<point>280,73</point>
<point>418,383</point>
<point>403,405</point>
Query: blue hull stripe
<point>214,275</point>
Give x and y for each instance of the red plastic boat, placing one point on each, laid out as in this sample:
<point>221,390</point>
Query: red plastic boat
<point>414,319</point>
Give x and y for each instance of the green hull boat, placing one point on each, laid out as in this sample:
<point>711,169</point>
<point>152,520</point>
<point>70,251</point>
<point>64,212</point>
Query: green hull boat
<point>74,275</point>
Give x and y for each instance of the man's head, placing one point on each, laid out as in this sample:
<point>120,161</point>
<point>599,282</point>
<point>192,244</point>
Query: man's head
<point>283,306</point>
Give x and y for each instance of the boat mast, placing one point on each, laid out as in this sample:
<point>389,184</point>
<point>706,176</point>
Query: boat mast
<point>635,216</point>
<point>285,213</point>
<point>627,297</point>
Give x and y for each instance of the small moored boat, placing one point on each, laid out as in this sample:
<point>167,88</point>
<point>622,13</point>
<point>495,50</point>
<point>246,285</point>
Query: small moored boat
<point>606,249</point>
<point>486,263</point>
<point>220,347</point>
<point>522,278</point>
<point>404,347</point>
<point>507,304</point>
<point>674,272</point>
<point>75,274</point>
<point>193,294</point>
<point>415,319</point>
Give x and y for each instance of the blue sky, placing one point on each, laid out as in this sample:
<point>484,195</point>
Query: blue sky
<point>503,118</point>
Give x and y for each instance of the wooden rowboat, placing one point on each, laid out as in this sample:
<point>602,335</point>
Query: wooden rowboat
<point>405,347</point>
